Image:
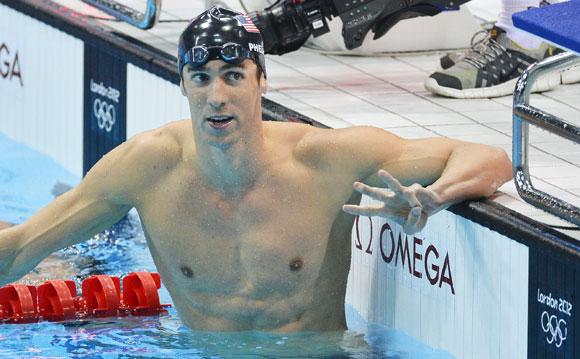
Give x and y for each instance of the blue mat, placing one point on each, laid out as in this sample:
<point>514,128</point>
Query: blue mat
<point>556,23</point>
<point>27,178</point>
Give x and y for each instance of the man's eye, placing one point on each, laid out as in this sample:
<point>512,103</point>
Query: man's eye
<point>234,76</point>
<point>199,77</point>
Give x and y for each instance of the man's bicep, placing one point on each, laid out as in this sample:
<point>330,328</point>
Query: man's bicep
<point>365,150</point>
<point>69,219</point>
<point>361,150</point>
<point>75,212</point>
<point>116,175</point>
<point>422,160</point>
<point>101,199</point>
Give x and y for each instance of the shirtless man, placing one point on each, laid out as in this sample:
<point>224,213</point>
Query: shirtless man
<point>244,218</point>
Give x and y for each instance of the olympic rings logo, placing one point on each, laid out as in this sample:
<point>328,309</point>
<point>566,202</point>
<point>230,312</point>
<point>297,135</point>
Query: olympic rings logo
<point>552,325</point>
<point>105,114</point>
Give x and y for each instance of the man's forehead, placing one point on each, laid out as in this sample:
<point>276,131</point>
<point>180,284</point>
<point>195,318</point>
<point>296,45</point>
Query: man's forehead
<point>219,65</point>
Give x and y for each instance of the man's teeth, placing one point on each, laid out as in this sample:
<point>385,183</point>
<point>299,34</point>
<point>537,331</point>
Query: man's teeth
<point>220,118</point>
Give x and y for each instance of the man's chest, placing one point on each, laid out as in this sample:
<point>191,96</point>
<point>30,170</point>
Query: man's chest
<point>270,240</point>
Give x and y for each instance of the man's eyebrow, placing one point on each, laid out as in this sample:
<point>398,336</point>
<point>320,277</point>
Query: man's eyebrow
<point>191,69</point>
<point>203,68</point>
<point>232,66</point>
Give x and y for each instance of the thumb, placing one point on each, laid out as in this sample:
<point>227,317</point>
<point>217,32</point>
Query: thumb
<point>416,220</point>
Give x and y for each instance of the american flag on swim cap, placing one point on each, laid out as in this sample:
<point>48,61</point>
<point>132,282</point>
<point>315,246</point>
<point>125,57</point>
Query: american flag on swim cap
<point>247,23</point>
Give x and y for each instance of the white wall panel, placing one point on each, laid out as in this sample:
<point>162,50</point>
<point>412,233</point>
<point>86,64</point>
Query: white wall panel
<point>152,101</point>
<point>487,315</point>
<point>46,111</point>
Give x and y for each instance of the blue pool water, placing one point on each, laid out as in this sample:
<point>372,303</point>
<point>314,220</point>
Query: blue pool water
<point>27,180</point>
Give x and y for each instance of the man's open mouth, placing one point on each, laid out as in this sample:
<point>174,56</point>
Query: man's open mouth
<point>219,121</point>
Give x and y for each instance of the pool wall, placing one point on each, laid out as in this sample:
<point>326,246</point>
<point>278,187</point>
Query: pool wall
<point>480,281</point>
<point>41,74</point>
<point>456,285</point>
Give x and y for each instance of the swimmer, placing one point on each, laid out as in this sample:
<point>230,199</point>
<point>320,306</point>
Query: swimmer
<point>249,222</point>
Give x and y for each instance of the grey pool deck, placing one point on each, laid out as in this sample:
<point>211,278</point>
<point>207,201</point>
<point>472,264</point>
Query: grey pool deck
<point>387,91</point>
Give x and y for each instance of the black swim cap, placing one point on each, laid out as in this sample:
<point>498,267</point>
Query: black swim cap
<point>205,36</point>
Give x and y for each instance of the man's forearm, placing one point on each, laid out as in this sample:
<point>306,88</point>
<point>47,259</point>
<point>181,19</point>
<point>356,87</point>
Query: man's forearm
<point>472,171</point>
<point>9,249</point>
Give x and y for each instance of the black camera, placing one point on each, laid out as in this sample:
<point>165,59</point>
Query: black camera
<point>287,24</point>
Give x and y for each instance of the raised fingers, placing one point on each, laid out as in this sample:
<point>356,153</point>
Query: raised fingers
<point>393,184</point>
<point>379,194</point>
<point>363,210</point>
<point>411,198</point>
<point>406,193</point>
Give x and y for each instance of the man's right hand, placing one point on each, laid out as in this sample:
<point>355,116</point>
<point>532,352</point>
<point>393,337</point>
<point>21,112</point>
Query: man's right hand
<point>409,206</point>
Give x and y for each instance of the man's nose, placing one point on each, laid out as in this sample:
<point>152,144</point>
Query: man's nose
<point>217,95</point>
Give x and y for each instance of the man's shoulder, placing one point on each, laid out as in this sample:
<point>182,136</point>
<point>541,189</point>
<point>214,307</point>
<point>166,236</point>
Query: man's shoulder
<point>169,132</point>
<point>135,166</point>
<point>165,143</point>
<point>147,155</point>
<point>291,133</point>
<point>352,149</point>
<point>326,141</point>
<point>299,139</point>
<point>307,144</point>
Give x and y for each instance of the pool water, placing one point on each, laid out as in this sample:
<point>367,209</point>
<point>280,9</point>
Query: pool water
<point>123,249</point>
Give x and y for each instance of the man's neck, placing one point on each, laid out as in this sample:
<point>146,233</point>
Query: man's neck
<point>234,169</point>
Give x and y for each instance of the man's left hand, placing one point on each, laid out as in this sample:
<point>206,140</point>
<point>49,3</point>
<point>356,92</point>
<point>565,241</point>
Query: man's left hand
<point>408,206</point>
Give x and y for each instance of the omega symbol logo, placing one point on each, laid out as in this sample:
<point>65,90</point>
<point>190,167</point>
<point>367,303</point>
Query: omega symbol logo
<point>105,114</point>
<point>555,329</point>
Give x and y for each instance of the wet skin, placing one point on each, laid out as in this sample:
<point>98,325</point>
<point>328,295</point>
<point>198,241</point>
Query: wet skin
<point>262,256</point>
<point>245,218</point>
<point>272,257</point>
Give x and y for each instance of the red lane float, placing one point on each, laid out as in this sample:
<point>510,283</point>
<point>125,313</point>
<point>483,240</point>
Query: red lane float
<point>102,295</point>
<point>57,300</point>
<point>140,292</point>
<point>18,303</point>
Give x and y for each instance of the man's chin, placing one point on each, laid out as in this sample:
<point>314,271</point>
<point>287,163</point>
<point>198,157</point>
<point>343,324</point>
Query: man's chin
<point>222,139</point>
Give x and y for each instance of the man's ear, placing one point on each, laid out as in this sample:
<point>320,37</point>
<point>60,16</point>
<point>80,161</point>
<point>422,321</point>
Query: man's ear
<point>182,87</point>
<point>263,84</point>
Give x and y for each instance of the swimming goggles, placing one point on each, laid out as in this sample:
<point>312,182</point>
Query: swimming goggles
<point>231,53</point>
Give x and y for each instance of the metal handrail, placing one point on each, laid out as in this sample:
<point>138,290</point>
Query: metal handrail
<point>523,115</point>
<point>122,12</point>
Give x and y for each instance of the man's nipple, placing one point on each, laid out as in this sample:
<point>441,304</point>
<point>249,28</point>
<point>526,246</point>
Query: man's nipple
<point>296,264</point>
<point>186,271</point>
